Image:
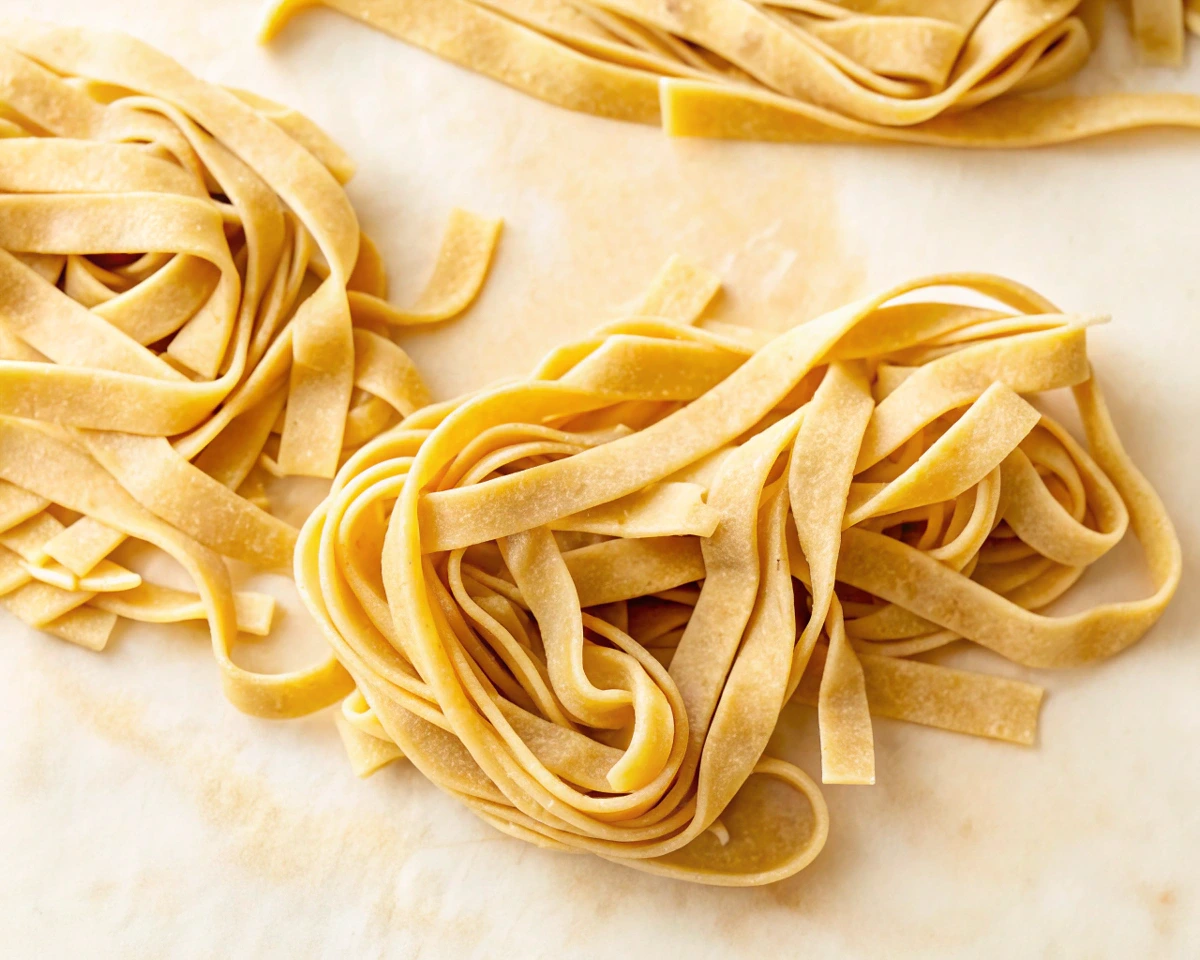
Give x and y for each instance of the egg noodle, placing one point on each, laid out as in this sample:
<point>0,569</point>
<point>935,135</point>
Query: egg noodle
<point>945,72</point>
<point>187,308</point>
<point>578,602</point>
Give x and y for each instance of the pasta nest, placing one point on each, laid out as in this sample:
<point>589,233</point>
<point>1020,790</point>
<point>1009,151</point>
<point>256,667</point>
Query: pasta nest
<point>579,602</point>
<point>913,71</point>
<point>188,308</point>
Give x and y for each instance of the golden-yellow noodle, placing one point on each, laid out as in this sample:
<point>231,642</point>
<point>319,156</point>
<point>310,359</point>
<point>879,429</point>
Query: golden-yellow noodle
<point>187,306</point>
<point>943,72</point>
<point>577,603</point>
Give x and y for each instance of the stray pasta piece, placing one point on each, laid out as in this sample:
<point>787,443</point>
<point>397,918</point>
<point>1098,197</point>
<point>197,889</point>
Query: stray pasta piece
<point>947,74</point>
<point>187,307</point>
<point>578,602</point>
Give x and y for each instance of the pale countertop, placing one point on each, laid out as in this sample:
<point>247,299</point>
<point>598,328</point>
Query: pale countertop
<point>141,815</point>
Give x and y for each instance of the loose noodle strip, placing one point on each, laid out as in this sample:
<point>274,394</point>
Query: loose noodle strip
<point>578,602</point>
<point>367,754</point>
<point>939,697</point>
<point>872,71</point>
<point>186,296</point>
<point>151,603</point>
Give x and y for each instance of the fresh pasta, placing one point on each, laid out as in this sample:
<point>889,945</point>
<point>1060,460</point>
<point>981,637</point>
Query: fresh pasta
<point>187,309</point>
<point>578,602</point>
<point>916,71</point>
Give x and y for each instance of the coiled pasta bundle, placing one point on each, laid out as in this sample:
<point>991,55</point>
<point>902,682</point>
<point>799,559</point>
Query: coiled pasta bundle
<point>917,71</point>
<point>187,308</point>
<point>578,602</point>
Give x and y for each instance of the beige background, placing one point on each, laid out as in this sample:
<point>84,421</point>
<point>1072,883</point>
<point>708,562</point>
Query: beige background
<point>140,815</point>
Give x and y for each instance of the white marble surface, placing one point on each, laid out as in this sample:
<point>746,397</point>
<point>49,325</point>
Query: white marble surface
<point>140,815</point>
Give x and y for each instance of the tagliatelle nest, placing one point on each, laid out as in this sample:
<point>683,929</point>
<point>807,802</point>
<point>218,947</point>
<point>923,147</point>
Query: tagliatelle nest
<point>187,307</point>
<point>578,603</point>
<point>914,71</point>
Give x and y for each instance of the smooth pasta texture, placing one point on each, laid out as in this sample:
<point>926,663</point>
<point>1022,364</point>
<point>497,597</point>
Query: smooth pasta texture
<point>917,71</point>
<point>578,603</point>
<point>187,308</point>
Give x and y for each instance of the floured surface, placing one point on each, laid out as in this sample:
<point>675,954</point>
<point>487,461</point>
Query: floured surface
<point>143,815</point>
